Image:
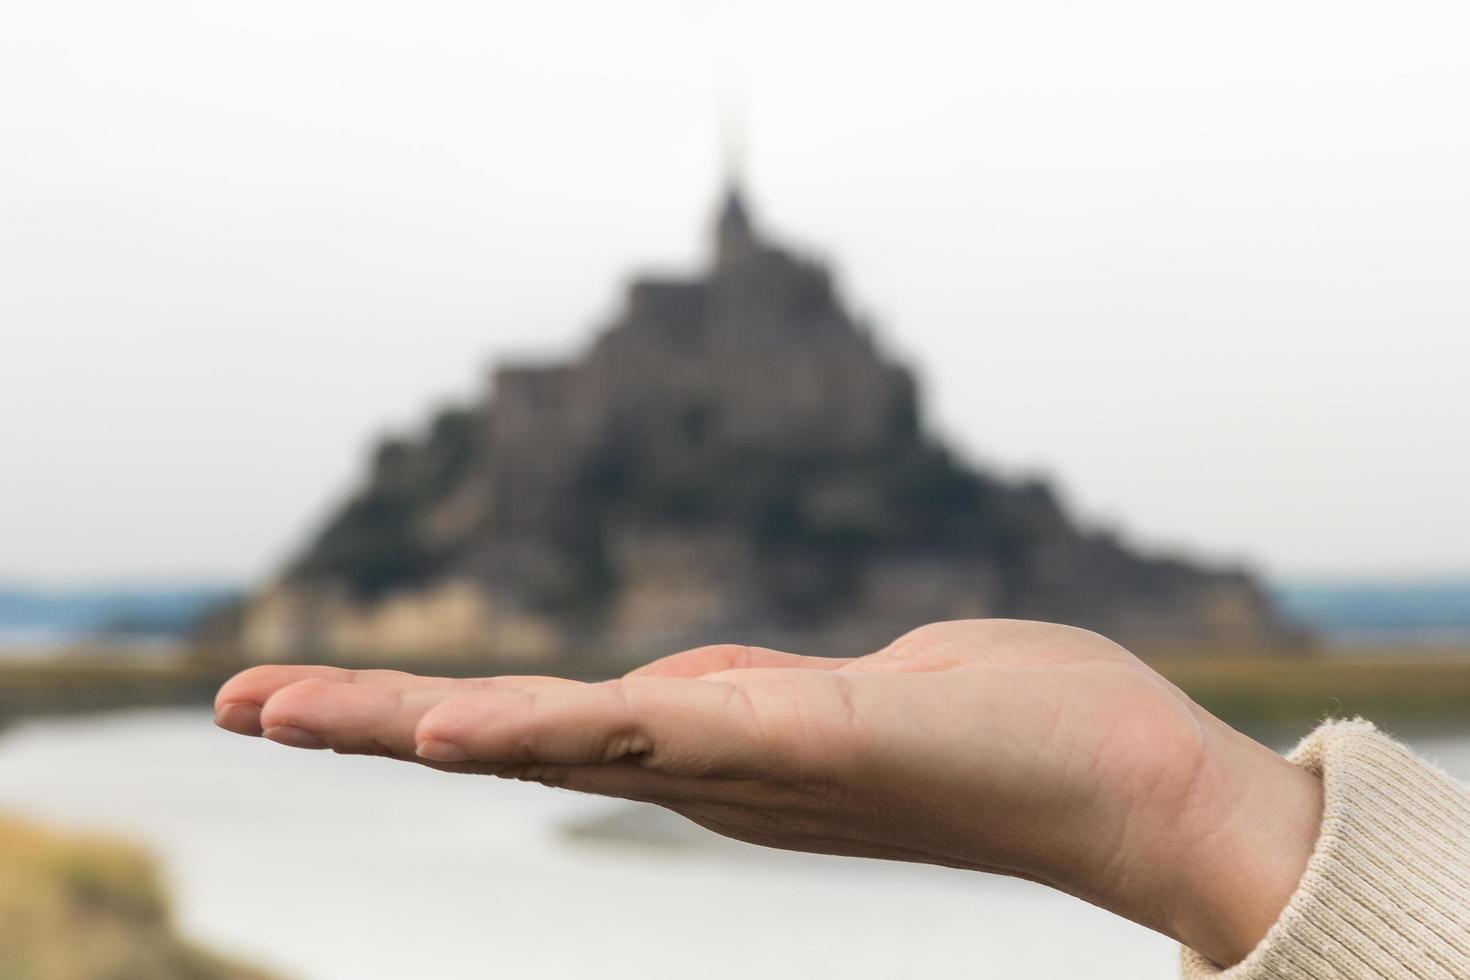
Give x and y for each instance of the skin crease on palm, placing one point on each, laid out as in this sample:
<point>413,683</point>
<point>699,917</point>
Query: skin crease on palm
<point>1026,749</point>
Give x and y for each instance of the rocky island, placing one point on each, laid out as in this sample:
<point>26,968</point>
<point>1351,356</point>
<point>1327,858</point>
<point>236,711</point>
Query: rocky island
<point>733,459</point>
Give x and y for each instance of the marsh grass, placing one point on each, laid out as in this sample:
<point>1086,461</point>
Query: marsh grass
<point>1410,689</point>
<point>1400,690</point>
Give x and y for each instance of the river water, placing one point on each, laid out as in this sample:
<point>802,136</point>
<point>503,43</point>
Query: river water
<point>325,868</point>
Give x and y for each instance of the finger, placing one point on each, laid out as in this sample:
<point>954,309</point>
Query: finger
<point>731,656</point>
<point>679,726</point>
<point>238,704</point>
<point>363,719</point>
<point>630,781</point>
<point>358,719</point>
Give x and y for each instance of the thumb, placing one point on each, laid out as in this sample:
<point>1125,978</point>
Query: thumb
<point>731,656</point>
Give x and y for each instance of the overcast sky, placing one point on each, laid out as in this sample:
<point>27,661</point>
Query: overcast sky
<point>1208,266</point>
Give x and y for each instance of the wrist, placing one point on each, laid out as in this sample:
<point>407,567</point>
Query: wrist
<point>1239,847</point>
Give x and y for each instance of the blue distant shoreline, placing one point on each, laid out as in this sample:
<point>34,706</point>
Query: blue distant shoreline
<point>49,617</point>
<point>1369,611</point>
<point>1350,612</point>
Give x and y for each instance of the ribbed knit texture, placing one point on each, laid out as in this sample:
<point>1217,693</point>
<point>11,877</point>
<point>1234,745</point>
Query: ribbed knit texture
<point>1387,890</point>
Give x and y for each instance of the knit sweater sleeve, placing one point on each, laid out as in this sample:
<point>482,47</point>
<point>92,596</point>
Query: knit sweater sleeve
<point>1387,890</point>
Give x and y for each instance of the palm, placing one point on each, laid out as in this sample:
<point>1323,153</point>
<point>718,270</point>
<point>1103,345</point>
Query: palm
<point>979,744</point>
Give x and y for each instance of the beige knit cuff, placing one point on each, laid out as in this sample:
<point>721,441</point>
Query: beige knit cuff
<point>1387,890</point>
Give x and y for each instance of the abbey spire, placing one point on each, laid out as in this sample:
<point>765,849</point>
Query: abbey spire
<point>734,235</point>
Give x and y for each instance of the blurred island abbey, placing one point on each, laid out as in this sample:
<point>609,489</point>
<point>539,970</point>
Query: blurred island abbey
<point>734,460</point>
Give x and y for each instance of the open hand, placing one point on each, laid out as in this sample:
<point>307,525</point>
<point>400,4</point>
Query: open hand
<point>1027,749</point>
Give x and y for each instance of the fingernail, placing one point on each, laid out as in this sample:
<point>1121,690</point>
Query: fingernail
<point>239,717</point>
<point>436,751</point>
<point>297,738</point>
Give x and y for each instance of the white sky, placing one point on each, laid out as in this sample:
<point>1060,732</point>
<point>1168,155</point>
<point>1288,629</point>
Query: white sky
<point>1206,265</point>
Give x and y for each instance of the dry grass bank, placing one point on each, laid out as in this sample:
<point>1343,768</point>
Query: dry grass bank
<point>86,908</point>
<point>97,684</point>
<point>1405,690</point>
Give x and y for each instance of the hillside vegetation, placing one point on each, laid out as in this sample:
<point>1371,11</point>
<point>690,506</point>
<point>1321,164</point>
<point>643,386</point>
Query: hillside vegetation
<point>87,908</point>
